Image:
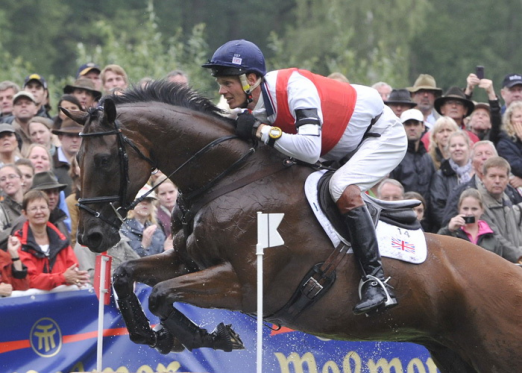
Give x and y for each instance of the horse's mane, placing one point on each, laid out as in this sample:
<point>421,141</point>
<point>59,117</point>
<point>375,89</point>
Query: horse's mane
<point>169,93</point>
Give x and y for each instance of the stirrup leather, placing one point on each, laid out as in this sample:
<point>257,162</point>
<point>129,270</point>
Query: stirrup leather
<point>383,284</point>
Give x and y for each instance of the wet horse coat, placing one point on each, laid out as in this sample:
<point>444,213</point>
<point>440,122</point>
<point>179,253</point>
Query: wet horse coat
<point>463,303</point>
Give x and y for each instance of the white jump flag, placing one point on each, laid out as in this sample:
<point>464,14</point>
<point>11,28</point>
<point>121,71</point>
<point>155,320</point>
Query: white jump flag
<point>267,236</point>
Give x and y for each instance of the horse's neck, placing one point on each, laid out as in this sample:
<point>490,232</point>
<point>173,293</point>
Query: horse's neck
<point>174,140</point>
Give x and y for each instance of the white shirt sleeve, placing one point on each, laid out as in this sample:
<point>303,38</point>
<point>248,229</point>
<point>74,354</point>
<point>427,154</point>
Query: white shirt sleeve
<point>304,148</point>
<point>302,94</point>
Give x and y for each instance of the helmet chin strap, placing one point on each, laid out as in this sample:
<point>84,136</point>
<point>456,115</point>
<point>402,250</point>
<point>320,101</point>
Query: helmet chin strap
<point>247,88</point>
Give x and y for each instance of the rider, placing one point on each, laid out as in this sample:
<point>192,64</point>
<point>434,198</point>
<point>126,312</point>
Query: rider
<point>308,117</point>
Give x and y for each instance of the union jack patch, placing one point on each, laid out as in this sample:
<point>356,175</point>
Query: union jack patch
<point>402,245</point>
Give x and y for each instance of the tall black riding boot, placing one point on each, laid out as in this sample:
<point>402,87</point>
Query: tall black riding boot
<point>374,292</point>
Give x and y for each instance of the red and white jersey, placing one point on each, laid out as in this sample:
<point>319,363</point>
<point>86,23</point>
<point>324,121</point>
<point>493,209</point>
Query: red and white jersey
<point>345,112</point>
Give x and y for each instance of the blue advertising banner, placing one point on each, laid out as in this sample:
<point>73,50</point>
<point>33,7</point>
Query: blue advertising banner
<point>57,332</point>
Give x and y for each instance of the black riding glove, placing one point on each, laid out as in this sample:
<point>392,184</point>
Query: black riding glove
<point>247,125</point>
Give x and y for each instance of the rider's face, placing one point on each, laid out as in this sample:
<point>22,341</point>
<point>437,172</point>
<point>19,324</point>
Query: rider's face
<point>230,88</point>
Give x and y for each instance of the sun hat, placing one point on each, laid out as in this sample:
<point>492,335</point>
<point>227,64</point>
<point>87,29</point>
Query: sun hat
<point>426,82</point>
<point>46,180</point>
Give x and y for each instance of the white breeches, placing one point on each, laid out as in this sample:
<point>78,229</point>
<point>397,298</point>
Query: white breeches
<point>376,157</point>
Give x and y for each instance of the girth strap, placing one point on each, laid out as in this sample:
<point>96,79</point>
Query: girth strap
<point>314,285</point>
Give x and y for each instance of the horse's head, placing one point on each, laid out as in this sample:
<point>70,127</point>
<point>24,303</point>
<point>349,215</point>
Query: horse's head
<point>113,169</point>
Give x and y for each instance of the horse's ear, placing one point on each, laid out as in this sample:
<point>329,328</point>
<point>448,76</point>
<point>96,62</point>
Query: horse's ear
<point>110,110</point>
<point>78,116</point>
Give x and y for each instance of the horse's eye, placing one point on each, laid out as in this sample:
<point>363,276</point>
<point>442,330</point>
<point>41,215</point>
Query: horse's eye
<point>102,160</point>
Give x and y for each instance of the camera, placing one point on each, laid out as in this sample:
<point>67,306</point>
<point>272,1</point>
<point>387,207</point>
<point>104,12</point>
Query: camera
<point>480,72</point>
<point>469,219</point>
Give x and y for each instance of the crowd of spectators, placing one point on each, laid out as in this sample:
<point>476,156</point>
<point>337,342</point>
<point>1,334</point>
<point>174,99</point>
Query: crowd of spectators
<point>464,160</point>
<point>463,164</point>
<point>39,186</point>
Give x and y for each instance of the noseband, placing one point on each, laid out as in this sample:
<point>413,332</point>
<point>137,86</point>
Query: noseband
<point>124,179</point>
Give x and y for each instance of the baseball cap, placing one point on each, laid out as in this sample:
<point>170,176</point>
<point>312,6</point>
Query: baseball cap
<point>412,114</point>
<point>482,105</point>
<point>36,77</point>
<point>511,80</point>
<point>86,68</point>
<point>25,94</point>
<point>146,188</point>
<point>6,127</point>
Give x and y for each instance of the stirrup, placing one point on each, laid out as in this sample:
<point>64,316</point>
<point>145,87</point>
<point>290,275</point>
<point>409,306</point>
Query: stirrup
<point>390,302</point>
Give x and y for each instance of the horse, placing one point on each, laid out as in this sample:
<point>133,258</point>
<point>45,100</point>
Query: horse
<point>462,303</point>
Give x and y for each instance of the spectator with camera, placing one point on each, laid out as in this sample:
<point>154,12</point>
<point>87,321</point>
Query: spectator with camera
<point>468,226</point>
<point>485,120</point>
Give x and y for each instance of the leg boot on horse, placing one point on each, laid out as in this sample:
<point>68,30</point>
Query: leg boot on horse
<point>140,331</point>
<point>375,294</point>
<point>192,336</point>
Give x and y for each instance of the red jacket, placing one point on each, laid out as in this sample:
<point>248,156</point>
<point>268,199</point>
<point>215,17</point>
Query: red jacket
<point>46,272</point>
<point>18,280</point>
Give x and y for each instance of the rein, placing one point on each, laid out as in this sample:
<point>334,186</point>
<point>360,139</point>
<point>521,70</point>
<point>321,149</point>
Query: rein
<point>124,180</point>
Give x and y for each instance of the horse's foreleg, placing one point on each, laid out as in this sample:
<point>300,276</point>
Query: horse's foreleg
<point>217,286</point>
<point>148,270</point>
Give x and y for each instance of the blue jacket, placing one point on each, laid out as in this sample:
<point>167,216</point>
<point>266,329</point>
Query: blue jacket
<point>134,231</point>
<point>511,149</point>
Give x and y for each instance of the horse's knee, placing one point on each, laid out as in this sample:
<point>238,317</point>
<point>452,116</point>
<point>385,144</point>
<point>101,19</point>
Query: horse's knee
<point>159,304</point>
<point>122,277</point>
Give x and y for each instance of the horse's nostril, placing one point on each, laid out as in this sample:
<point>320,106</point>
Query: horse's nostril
<point>94,240</point>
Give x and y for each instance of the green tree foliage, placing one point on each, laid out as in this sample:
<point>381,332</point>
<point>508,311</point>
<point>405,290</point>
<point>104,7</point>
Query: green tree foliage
<point>226,19</point>
<point>366,41</point>
<point>142,51</point>
<point>32,29</point>
<point>145,52</point>
<point>460,35</point>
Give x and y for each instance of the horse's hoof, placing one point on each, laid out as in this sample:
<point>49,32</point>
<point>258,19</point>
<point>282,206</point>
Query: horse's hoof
<point>226,339</point>
<point>165,342</point>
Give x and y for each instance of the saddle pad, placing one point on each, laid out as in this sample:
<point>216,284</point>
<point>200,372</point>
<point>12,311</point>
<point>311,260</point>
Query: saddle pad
<point>394,242</point>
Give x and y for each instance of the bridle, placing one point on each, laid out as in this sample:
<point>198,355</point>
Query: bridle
<point>121,198</point>
<point>124,204</point>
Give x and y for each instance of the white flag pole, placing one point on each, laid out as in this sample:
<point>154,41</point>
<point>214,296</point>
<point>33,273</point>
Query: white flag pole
<point>101,307</point>
<point>267,236</point>
<point>260,252</point>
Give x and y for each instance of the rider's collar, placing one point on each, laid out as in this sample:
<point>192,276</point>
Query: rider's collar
<point>261,110</point>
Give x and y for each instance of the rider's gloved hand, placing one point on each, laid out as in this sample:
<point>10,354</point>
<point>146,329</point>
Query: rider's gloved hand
<point>247,125</point>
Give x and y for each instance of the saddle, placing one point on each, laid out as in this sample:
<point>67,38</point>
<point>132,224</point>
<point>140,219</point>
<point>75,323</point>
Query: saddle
<point>398,213</point>
<point>322,275</point>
